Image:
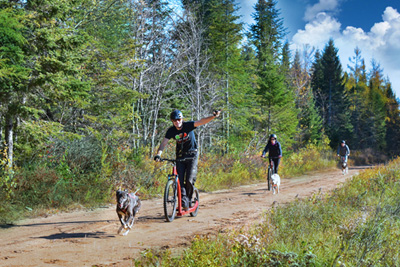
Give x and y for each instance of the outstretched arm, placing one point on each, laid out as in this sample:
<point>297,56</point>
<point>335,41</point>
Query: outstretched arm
<point>207,119</point>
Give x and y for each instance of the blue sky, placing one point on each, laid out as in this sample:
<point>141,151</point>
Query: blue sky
<point>371,25</point>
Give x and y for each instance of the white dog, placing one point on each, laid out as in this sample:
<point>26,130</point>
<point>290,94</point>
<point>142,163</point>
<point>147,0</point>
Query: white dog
<point>345,168</point>
<point>276,182</point>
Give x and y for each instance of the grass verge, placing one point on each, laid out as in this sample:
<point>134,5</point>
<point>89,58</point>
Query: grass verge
<point>357,224</point>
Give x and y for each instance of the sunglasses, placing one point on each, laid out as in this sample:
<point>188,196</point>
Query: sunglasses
<point>273,138</point>
<point>176,120</point>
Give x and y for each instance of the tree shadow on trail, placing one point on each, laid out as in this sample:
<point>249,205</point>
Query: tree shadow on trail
<point>148,219</point>
<point>249,194</point>
<point>76,235</point>
<point>6,226</point>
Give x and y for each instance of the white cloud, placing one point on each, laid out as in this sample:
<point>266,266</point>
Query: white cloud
<point>355,34</point>
<point>322,6</point>
<point>390,14</point>
<point>381,43</point>
<point>318,31</point>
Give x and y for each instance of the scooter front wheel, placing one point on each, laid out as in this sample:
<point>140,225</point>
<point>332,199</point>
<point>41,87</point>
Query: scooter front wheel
<point>170,201</point>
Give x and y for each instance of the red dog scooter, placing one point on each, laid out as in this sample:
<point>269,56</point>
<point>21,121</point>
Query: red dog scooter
<point>173,197</point>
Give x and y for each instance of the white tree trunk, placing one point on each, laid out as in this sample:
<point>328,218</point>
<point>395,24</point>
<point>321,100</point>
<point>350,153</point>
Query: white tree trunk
<point>10,140</point>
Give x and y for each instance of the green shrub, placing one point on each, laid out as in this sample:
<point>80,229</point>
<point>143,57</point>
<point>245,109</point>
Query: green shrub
<point>310,158</point>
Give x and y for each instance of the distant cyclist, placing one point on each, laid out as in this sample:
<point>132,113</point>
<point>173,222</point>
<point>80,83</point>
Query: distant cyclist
<point>343,150</point>
<point>274,150</point>
<point>186,151</point>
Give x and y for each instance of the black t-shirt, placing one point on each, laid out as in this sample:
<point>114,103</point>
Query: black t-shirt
<point>185,138</point>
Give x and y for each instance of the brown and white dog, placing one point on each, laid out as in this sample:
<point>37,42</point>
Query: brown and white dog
<point>128,205</point>
<point>276,182</point>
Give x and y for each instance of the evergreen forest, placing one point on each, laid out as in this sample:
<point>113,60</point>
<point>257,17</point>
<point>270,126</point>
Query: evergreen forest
<point>87,87</point>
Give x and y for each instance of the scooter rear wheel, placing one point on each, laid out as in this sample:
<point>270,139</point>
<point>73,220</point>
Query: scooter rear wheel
<point>196,199</point>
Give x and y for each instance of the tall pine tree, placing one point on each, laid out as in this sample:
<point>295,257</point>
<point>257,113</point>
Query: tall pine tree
<point>276,99</point>
<point>392,122</point>
<point>310,122</point>
<point>376,112</point>
<point>223,36</point>
<point>356,86</point>
<point>331,97</point>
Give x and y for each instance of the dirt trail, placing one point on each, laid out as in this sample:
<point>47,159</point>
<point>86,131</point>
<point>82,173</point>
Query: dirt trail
<point>87,238</point>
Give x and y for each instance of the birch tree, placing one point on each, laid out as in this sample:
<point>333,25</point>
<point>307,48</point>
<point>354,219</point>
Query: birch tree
<point>158,60</point>
<point>13,74</point>
<point>198,88</point>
